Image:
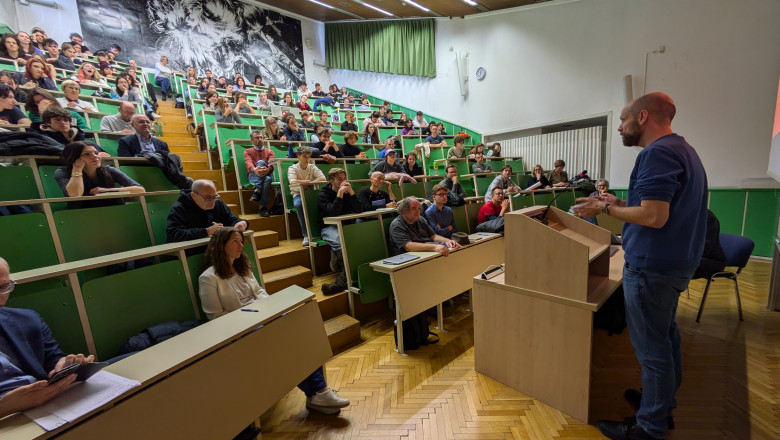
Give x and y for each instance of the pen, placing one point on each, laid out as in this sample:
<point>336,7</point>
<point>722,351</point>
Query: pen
<point>249,310</point>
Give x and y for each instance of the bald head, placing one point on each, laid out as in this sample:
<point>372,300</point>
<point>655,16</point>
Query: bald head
<point>203,183</point>
<point>659,106</point>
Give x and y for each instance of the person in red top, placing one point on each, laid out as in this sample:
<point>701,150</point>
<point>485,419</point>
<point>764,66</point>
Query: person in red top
<point>303,104</point>
<point>260,170</point>
<point>497,207</point>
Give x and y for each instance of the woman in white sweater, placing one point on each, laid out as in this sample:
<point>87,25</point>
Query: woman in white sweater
<point>228,285</point>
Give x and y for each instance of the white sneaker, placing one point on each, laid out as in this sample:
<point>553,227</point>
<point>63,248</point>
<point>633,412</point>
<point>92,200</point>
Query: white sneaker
<point>305,241</point>
<point>326,402</point>
<point>156,116</point>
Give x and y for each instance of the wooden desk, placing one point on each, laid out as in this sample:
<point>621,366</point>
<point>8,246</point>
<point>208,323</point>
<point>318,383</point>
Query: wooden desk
<point>209,382</point>
<point>539,343</point>
<point>433,279</point>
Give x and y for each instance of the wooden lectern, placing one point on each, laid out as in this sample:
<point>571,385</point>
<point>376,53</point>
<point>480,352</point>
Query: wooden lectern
<point>533,326</point>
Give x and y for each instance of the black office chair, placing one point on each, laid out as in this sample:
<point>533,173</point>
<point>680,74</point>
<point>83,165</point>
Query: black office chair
<point>737,250</point>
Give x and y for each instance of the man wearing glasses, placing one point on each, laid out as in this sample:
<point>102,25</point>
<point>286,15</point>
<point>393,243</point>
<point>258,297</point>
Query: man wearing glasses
<point>29,355</point>
<point>198,213</point>
<point>439,215</point>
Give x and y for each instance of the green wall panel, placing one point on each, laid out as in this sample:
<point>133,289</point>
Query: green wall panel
<point>761,219</point>
<point>729,206</point>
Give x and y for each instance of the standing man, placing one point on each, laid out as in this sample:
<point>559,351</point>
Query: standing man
<point>260,170</point>
<point>665,219</point>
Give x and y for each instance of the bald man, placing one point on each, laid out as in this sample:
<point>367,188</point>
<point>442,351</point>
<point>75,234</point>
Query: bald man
<point>120,122</point>
<point>373,198</point>
<point>665,218</point>
<point>29,355</point>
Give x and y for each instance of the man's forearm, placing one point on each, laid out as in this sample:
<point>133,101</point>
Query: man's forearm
<point>413,246</point>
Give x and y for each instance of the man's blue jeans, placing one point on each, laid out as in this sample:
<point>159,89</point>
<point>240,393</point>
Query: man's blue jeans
<point>651,305</point>
<point>330,234</point>
<point>313,383</point>
<point>299,211</point>
<point>261,184</point>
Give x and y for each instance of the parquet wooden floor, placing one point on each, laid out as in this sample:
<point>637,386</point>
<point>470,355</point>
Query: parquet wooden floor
<point>730,387</point>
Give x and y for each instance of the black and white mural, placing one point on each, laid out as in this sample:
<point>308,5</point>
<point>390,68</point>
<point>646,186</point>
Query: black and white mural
<point>225,36</point>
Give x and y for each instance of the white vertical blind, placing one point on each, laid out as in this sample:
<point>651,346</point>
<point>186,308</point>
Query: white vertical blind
<point>581,149</point>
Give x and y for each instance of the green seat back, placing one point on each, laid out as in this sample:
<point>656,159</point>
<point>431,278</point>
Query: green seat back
<point>92,232</point>
<point>483,183</point>
<point>435,169</point>
<point>57,306</point>
<point>159,208</point>
<point>461,219</point>
<point>280,148</point>
<point>543,198</point>
<point>462,166</point>
<point>18,183</point>
<point>413,189</point>
<point>468,186</point>
<point>516,164</point>
<point>311,213</point>
<point>150,177</point>
<point>241,172</point>
<point>358,170</point>
<point>363,243</point>
<point>51,189</point>
<point>208,119</point>
<point>408,143</point>
<point>523,201</point>
<point>122,305</point>
<point>110,144</point>
<point>522,180</point>
<point>565,200</point>
<point>472,212</point>
<point>107,107</point>
<point>94,124</point>
<point>376,286</point>
<point>229,132</point>
<point>26,241</point>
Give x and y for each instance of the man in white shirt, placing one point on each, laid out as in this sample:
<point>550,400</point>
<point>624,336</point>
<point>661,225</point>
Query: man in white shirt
<point>419,121</point>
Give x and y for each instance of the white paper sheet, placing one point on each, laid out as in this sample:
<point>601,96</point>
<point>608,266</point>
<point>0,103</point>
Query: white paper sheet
<point>81,399</point>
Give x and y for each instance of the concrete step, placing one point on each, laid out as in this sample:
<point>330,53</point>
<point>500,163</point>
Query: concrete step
<point>266,239</point>
<point>288,253</point>
<point>342,330</point>
<point>290,276</point>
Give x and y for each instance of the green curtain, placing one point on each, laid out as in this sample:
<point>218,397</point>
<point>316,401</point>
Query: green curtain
<point>403,47</point>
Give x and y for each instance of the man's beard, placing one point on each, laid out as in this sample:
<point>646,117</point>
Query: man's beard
<point>631,136</point>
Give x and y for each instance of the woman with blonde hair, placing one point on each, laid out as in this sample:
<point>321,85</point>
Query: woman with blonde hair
<point>272,131</point>
<point>88,74</point>
<point>224,113</point>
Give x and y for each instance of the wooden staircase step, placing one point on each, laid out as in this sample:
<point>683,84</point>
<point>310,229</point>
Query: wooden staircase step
<point>230,197</point>
<point>184,149</point>
<point>180,141</point>
<point>289,276</point>
<point>266,239</point>
<point>331,306</point>
<point>235,209</point>
<point>342,330</point>
<point>213,175</point>
<point>181,119</point>
<point>272,223</point>
<point>285,255</point>
<point>194,156</point>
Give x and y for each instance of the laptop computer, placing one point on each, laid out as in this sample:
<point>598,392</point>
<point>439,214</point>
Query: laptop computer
<point>400,259</point>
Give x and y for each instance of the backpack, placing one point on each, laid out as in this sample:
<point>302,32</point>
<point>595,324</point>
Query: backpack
<point>416,332</point>
<point>179,101</point>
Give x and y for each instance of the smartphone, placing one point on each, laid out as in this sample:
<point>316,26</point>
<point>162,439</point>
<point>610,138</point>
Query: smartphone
<point>83,371</point>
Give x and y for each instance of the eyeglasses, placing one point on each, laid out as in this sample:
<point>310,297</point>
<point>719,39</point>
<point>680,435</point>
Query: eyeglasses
<point>7,288</point>
<point>208,198</point>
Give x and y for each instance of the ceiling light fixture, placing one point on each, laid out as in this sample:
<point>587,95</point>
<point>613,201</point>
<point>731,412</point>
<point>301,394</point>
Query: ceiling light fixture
<point>322,4</point>
<point>418,6</point>
<point>472,3</point>
<point>377,9</point>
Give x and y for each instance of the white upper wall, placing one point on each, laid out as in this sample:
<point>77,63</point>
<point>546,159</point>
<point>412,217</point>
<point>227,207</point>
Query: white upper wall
<point>566,59</point>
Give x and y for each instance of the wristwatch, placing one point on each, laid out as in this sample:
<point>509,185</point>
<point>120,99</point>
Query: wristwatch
<point>605,209</point>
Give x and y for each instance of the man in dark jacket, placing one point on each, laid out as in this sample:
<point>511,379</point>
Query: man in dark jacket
<point>29,355</point>
<point>336,198</point>
<point>144,144</point>
<point>198,213</point>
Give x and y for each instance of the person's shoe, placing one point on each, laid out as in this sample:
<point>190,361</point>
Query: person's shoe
<point>255,197</point>
<point>624,430</point>
<point>264,212</point>
<point>155,116</point>
<point>634,397</point>
<point>332,288</point>
<point>305,241</point>
<point>326,402</point>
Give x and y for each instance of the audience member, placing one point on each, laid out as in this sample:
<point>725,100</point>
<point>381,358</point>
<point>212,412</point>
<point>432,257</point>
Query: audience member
<point>439,215</point>
<point>324,119</point>
<point>71,99</point>
<point>349,149</point>
<point>10,49</point>
<point>287,100</point>
<point>142,141</point>
<point>198,213</point>
<point>119,122</point>
<point>326,145</point>
<point>260,170</point>
<point>10,113</point>
<point>408,129</point>
<point>388,119</point>
<point>9,78</point>
<point>364,105</point>
<point>258,81</point>
<point>303,90</point>
<point>162,77</point>
<point>370,134</point>
<point>495,151</point>
<point>389,146</point>
<point>419,121</point>
<point>240,86</point>
<point>123,91</point>
<point>56,125</point>
<point>602,188</point>
<point>307,119</point>
<point>29,355</point>
<point>318,90</point>
<point>302,103</point>
<point>436,139</point>
<point>349,122</point>
<point>76,38</point>
<point>373,119</point>
<point>38,35</point>
<point>272,131</point>
<point>225,114</point>
<point>84,174</point>
<point>457,151</point>
<point>38,100</point>
<point>502,181</point>
<point>537,175</point>
<point>496,207</point>
<point>557,176</point>
<point>335,199</point>
<point>228,285</point>
<point>442,131</point>
<point>373,198</point>
<point>480,166</point>
<point>392,169</point>
<point>212,98</point>
<point>38,75</point>
<point>87,74</point>
<point>480,147</point>
<point>450,181</point>
<point>273,95</point>
<point>411,167</point>
<point>410,232</point>
<point>25,44</point>
<point>301,175</point>
<point>348,103</point>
